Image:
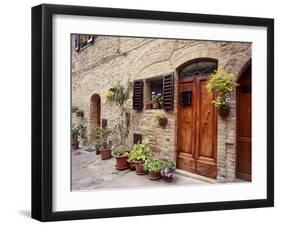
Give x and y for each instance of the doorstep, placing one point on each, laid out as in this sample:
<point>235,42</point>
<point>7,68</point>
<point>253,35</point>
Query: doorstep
<point>195,176</point>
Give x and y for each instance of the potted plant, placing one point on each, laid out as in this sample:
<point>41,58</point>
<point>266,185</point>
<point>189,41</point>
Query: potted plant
<point>97,146</point>
<point>80,113</point>
<point>110,93</point>
<point>168,168</point>
<point>82,133</point>
<point>74,109</point>
<point>222,84</point>
<point>153,166</point>
<point>121,156</point>
<point>74,138</point>
<point>139,154</point>
<point>156,99</point>
<point>161,118</point>
<point>149,105</point>
<point>103,134</point>
<point>131,162</point>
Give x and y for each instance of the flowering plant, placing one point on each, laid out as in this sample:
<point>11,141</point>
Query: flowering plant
<point>168,168</point>
<point>109,94</point>
<point>156,98</point>
<point>223,84</point>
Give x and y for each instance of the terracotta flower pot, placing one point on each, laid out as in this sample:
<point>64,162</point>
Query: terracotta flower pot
<point>132,165</point>
<point>139,167</point>
<point>152,175</point>
<point>97,151</point>
<point>163,122</point>
<point>75,145</point>
<point>105,153</point>
<point>167,179</point>
<point>121,162</point>
<point>156,105</point>
<point>148,106</point>
<point>224,111</point>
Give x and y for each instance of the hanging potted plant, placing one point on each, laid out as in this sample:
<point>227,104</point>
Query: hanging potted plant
<point>223,84</point>
<point>121,156</point>
<point>103,134</point>
<point>80,113</point>
<point>74,138</point>
<point>109,94</point>
<point>139,154</point>
<point>156,99</point>
<point>167,171</point>
<point>161,118</point>
<point>153,166</point>
<point>74,109</point>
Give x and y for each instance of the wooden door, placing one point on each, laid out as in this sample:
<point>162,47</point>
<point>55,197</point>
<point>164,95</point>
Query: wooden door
<point>244,127</point>
<point>196,128</point>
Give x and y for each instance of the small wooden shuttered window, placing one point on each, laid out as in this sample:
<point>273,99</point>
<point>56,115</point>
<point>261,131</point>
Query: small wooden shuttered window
<point>138,95</point>
<point>168,92</point>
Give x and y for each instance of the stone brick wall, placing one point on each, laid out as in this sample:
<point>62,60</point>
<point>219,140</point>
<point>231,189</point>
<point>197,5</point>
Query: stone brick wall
<point>97,67</point>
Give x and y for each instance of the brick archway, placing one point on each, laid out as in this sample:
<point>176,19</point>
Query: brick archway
<point>95,114</point>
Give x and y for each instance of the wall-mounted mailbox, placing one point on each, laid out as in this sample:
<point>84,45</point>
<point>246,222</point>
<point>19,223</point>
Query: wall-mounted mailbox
<point>186,97</point>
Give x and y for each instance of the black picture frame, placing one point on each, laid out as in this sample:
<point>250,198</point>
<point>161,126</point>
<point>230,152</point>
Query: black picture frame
<point>42,111</point>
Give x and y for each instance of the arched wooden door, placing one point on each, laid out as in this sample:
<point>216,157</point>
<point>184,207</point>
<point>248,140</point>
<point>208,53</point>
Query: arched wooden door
<point>197,120</point>
<point>95,115</point>
<point>244,126</point>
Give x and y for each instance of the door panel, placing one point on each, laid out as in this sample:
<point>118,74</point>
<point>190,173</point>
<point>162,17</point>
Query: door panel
<point>244,127</point>
<point>197,129</point>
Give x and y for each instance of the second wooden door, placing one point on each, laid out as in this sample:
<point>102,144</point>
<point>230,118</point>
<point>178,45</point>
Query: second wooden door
<point>196,148</point>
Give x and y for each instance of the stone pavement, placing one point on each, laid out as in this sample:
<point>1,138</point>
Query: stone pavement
<point>90,172</point>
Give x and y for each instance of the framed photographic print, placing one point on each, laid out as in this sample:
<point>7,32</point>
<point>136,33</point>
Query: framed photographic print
<point>146,112</point>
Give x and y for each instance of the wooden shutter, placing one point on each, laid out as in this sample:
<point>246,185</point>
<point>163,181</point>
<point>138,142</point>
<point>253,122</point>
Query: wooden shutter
<point>138,95</point>
<point>168,92</point>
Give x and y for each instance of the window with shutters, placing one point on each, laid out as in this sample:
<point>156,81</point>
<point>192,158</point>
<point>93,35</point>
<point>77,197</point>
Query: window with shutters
<point>81,41</point>
<point>138,95</point>
<point>162,86</point>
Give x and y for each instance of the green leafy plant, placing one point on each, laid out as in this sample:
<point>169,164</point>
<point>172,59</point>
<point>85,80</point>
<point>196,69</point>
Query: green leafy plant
<point>120,151</point>
<point>223,84</point>
<point>153,164</point>
<point>120,97</point>
<point>75,132</point>
<point>97,144</point>
<point>74,109</point>
<point>140,151</point>
<point>102,135</point>
<point>156,98</point>
<point>159,115</point>
<point>82,131</point>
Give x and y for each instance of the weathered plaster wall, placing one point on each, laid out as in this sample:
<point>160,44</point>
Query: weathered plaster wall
<point>97,67</point>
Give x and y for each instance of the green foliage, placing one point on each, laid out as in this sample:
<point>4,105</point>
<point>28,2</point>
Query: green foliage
<point>153,164</point>
<point>223,84</point>
<point>140,151</point>
<point>120,151</point>
<point>159,115</point>
<point>82,131</point>
<point>120,97</point>
<point>168,164</point>
<point>102,135</point>
<point>156,98</point>
<point>75,132</point>
<point>74,109</point>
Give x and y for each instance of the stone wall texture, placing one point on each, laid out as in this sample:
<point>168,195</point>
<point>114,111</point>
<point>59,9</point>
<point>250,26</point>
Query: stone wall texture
<point>97,67</point>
